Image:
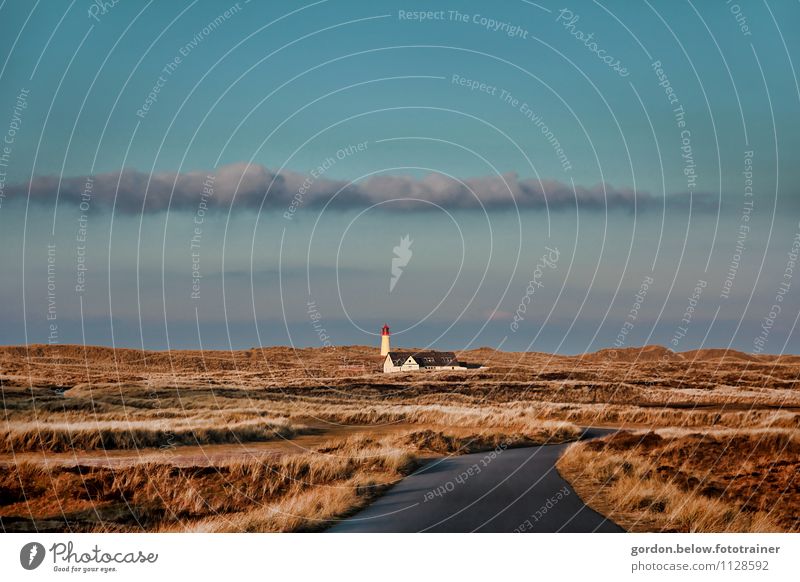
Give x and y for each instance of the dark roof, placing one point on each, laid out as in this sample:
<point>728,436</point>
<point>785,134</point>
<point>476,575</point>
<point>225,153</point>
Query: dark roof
<point>425,359</point>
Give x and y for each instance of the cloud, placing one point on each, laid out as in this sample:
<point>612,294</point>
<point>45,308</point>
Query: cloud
<point>249,186</point>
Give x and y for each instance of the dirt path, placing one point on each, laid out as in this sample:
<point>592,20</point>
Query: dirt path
<point>207,454</point>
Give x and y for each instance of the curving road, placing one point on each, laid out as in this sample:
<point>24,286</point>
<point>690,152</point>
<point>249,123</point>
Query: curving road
<point>516,490</point>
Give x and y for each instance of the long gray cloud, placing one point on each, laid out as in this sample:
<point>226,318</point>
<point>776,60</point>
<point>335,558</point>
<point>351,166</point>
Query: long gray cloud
<point>247,186</point>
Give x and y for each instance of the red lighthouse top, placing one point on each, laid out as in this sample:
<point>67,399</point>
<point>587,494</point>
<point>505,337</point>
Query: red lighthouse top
<point>385,330</point>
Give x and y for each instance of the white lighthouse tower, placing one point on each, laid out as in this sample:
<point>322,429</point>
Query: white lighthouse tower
<point>385,340</point>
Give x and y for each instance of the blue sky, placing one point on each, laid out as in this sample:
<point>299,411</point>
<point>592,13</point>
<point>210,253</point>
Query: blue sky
<point>474,126</point>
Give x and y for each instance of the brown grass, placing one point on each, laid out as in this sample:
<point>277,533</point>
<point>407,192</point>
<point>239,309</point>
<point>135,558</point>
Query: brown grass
<point>70,398</point>
<point>50,437</point>
<point>648,375</point>
<point>728,481</point>
<point>299,492</point>
<point>318,491</point>
<point>152,496</point>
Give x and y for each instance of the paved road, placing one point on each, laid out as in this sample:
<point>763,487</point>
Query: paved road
<point>517,490</point>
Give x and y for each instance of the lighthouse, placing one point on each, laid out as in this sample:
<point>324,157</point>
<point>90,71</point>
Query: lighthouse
<point>385,339</point>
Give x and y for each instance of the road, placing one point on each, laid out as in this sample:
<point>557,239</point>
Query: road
<point>516,490</point>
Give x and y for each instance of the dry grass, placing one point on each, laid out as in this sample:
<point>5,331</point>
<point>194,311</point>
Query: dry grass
<point>652,416</point>
<point>160,496</point>
<point>520,414</point>
<point>727,481</point>
<point>650,375</point>
<point>70,398</point>
<point>343,482</point>
<point>85,436</point>
<point>650,387</point>
<point>300,492</point>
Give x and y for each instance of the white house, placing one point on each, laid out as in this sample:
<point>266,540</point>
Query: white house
<point>411,361</point>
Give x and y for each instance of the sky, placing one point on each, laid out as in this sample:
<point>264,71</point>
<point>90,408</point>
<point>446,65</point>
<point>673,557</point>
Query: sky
<point>567,177</point>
